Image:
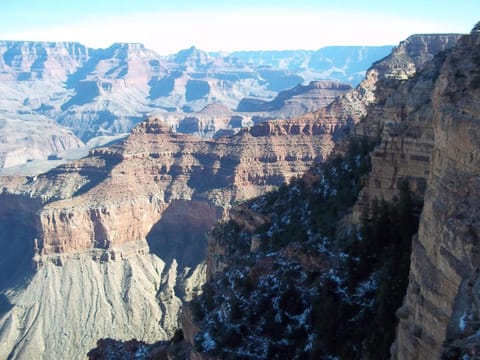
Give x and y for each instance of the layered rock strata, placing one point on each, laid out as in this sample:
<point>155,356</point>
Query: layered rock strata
<point>400,117</point>
<point>399,113</point>
<point>123,230</point>
<point>441,302</point>
<point>97,92</point>
<point>297,101</point>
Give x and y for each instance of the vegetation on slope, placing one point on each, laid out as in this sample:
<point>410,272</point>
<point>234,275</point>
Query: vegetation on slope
<point>313,288</point>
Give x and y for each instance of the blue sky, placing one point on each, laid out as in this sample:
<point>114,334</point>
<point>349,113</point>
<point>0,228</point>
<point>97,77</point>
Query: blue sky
<point>168,26</point>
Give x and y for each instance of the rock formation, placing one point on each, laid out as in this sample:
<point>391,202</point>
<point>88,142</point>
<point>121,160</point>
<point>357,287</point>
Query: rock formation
<point>410,104</point>
<point>441,303</point>
<point>298,100</point>
<point>114,226</point>
<point>104,92</point>
<point>400,117</point>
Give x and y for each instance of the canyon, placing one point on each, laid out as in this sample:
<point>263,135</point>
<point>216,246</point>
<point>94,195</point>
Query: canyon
<point>110,228</point>
<point>126,226</point>
<point>404,117</point>
<point>425,117</point>
<point>74,94</point>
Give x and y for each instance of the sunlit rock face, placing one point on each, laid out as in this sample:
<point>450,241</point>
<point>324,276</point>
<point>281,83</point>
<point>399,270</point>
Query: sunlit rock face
<point>401,117</point>
<point>124,227</point>
<point>56,96</point>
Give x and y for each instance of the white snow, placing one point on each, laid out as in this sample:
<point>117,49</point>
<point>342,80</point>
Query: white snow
<point>462,324</point>
<point>208,343</point>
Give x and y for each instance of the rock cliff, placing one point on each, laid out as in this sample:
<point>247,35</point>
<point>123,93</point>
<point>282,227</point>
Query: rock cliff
<point>421,100</point>
<point>441,305</point>
<point>297,101</point>
<point>400,117</point>
<point>114,226</point>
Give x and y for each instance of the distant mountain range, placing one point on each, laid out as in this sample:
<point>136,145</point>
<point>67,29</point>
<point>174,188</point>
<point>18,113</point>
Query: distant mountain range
<point>105,92</point>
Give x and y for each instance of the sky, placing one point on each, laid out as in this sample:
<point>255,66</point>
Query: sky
<point>215,25</point>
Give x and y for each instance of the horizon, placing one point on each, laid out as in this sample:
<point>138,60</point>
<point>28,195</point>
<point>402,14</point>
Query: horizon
<point>215,26</point>
<point>214,52</point>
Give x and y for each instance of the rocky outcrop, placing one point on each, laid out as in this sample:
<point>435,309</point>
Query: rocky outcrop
<point>400,117</point>
<point>113,226</point>
<point>112,89</point>
<point>298,100</point>
<point>441,303</point>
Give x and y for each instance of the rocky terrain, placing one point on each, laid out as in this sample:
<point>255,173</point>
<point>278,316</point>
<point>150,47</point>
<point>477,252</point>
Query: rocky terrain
<point>440,312</point>
<point>343,63</point>
<point>116,219</point>
<point>297,101</point>
<point>64,87</point>
<point>113,226</point>
<point>424,114</point>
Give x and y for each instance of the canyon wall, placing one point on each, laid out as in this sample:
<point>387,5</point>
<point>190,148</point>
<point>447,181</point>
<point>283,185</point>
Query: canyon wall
<point>441,303</point>
<point>392,105</point>
<point>401,119</point>
<point>425,116</point>
<point>113,225</point>
<point>117,238</point>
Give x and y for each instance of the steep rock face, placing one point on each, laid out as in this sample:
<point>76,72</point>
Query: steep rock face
<point>408,58</point>
<point>298,100</point>
<point>105,92</point>
<point>26,60</point>
<point>113,225</point>
<point>401,118</point>
<point>444,272</point>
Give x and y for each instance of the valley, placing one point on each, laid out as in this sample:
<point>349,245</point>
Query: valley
<point>247,193</point>
<point>74,94</point>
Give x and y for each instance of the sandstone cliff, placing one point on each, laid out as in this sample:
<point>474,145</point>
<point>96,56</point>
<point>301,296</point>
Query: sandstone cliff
<point>441,302</point>
<point>400,117</point>
<point>126,226</point>
<point>105,92</point>
<point>297,101</point>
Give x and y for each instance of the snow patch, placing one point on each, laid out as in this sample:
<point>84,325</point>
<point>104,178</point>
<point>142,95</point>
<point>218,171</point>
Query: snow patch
<point>461,323</point>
